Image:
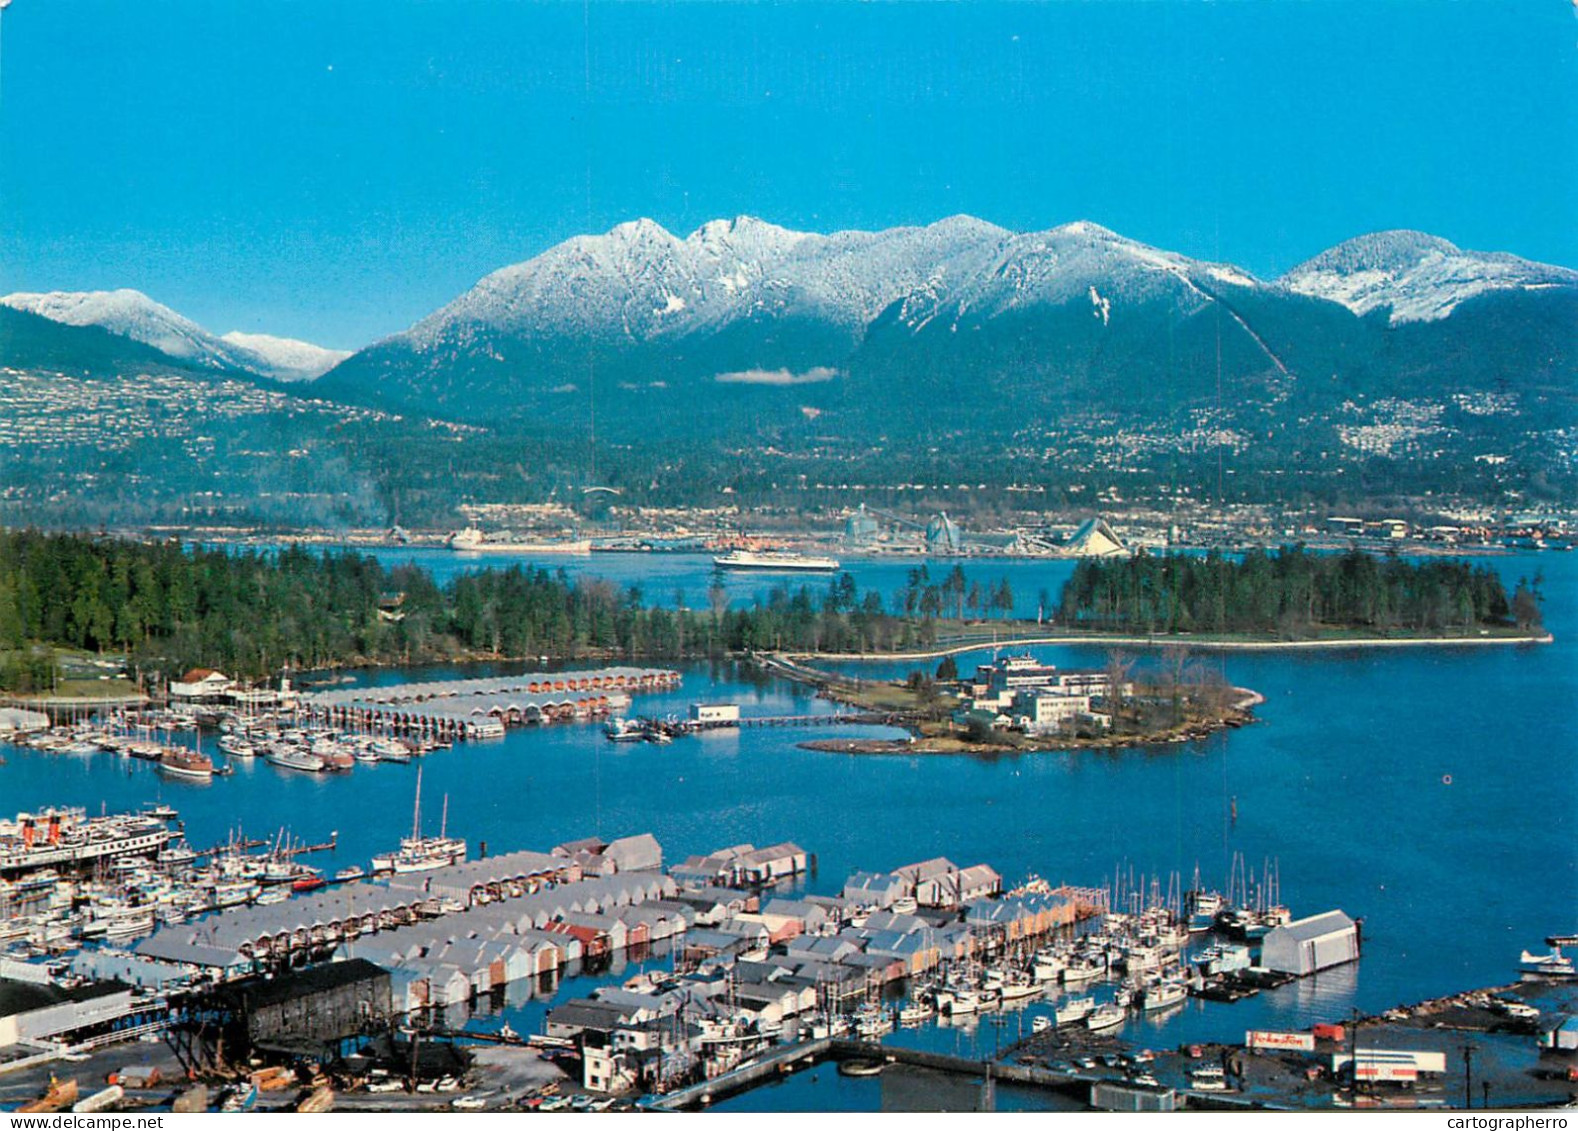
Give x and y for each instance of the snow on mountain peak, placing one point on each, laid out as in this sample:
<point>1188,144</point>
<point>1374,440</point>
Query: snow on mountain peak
<point>286,359</point>
<point>134,315</point>
<point>126,312</point>
<point>1416,276</point>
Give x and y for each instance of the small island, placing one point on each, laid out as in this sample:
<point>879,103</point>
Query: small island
<point>1016,703</point>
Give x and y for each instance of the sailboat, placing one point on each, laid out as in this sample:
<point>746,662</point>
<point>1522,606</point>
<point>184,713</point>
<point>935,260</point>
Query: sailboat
<point>420,853</point>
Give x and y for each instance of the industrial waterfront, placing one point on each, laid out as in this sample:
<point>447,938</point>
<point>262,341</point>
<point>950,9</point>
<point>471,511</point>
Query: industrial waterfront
<point>1460,857</point>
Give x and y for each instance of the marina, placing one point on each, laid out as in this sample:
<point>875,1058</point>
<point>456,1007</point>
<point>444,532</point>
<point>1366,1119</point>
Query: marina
<point>1237,786</point>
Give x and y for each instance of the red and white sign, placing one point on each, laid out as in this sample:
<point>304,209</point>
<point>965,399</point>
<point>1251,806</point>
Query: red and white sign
<point>1266,1039</point>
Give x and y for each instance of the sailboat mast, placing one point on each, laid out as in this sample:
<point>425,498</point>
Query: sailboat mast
<point>416,810</point>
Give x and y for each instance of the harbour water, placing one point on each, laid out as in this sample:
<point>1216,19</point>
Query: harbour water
<point>1429,791</point>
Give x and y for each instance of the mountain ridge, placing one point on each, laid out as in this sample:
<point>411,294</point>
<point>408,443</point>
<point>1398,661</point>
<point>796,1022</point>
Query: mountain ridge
<point>132,314</point>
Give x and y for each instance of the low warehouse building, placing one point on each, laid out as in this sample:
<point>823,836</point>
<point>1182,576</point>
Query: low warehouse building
<point>32,1013</point>
<point>1306,945</point>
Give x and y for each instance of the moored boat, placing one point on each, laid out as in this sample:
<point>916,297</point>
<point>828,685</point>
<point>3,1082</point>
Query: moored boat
<point>186,764</point>
<point>1075,1009</point>
<point>1106,1017</point>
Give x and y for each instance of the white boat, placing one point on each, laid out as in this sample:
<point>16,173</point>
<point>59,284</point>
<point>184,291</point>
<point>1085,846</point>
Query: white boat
<point>1079,975</point>
<point>1017,990</point>
<point>1204,908</point>
<point>915,1013</point>
<point>473,541</point>
<point>622,730</point>
<point>1106,1017</point>
<point>294,758</point>
<point>1075,1010</point>
<point>1047,968</point>
<point>1552,965</point>
<point>418,853</point>
<point>766,561</point>
<point>236,747</point>
<point>1041,1024</point>
<point>955,1000</point>
<point>1162,995</point>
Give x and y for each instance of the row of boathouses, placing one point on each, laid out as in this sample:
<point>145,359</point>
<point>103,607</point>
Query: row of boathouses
<point>483,708</point>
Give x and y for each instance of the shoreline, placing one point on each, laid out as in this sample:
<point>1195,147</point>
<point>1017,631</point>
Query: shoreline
<point>1185,642</point>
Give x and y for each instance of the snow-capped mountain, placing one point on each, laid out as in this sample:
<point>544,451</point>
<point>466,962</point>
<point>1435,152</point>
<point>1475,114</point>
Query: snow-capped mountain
<point>638,282</point>
<point>1417,277</point>
<point>285,359</point>
<point>951,311</point>
<point>132,314</point>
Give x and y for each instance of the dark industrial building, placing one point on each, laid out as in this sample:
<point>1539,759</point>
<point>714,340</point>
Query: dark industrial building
<point>303,1013</point>
<point>308,1009</point>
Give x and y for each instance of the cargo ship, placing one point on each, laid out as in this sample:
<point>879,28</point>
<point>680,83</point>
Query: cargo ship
<point>68,836</point>
<point>766,561</point>
<point>472,540</point>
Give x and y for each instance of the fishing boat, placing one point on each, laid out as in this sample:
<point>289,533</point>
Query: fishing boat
<point>354,872</point>
<point>765,561</point>
<point>1075,1010</point>
<point>307,881</point>
<point>956,1000</point>
<point>186,764</point>
<point>1162,995</point>
<point>915,1013</point>
<point>1106,1017</point>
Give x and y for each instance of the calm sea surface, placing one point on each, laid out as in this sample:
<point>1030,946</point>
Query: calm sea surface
<point>1430,792</point>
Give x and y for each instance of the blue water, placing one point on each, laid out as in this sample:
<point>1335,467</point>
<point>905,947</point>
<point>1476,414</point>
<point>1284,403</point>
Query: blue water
<point>1431,792</point>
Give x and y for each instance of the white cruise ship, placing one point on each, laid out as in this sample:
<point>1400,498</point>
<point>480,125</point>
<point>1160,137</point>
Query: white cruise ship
<point>774,562</point>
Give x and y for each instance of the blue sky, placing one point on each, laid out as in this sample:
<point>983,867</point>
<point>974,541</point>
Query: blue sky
<point>334,171</point>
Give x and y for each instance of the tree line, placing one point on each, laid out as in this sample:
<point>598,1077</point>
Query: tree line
<point>252,614</point>
<point>1291,593</point>
<point>256,613</point>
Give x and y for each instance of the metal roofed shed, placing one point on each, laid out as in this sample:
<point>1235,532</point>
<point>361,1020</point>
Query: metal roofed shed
<point>32,1012</point>
<point>1306,945</point>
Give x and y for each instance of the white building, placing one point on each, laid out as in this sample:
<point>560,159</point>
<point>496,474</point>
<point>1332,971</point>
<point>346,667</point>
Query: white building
<point>714,713</point>
<point>201,683</point>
